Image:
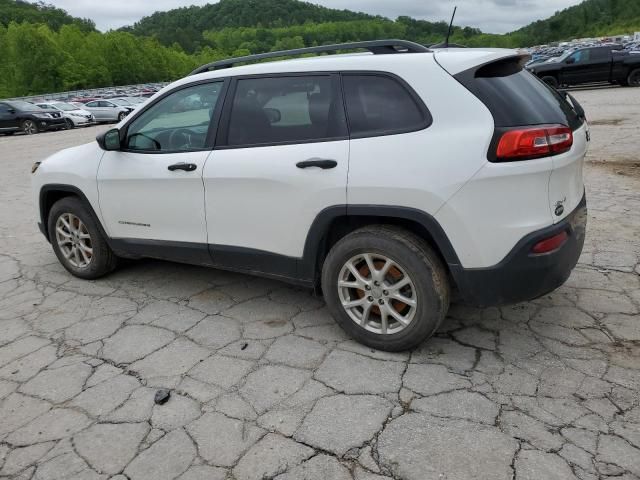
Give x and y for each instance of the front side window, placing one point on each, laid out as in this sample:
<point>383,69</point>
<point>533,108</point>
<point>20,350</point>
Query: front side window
<point>581,56</point>
<point>293,109</point>
<point>177,123</point>
<point>92,104</point>
<point>380,105</point>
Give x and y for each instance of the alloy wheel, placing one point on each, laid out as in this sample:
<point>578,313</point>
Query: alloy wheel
<point>377,293</point>
<point>29,127</point>
<point>634,78</point>
<point>74,240</point>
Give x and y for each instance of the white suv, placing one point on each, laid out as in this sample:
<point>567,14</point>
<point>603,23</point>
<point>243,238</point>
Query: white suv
<point>390,178</point>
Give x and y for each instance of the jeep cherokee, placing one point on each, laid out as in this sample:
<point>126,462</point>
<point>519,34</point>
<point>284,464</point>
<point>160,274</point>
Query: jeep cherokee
<point>389,178</point>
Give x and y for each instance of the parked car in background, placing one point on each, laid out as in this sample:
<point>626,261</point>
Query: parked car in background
<point>84,100</point>
<point>107,110</point>
<point>605,64</point>
<point>23,116</point>
<point>73,116</point>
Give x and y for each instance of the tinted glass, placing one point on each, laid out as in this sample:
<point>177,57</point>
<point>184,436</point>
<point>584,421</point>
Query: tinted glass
<point>380,105</point>
<point>92,104</point>
<point>581,56</point>
<point>178,122</point>
<point>284,110</point>
<point>600,54</point>
<point>515,97</point>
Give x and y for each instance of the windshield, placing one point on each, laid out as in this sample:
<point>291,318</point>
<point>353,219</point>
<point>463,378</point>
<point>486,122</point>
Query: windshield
<point>21,105</point>
<point>65,107</point>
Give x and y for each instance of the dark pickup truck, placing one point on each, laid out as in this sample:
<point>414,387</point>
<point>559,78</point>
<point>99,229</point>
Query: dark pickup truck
<point>590,65</point>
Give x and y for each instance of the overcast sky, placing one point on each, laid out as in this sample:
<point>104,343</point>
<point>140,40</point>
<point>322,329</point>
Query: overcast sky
<point>495,16</point>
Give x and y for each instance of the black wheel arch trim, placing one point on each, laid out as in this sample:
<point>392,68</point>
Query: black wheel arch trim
<point>307,267</point>
<point>73,191</point>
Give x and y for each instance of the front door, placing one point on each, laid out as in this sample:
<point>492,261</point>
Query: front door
<point>577,68</point>
<point>281,157</point>
<point>151,192</point>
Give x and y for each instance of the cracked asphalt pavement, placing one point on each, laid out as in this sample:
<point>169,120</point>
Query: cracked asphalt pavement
<point>265,385</point>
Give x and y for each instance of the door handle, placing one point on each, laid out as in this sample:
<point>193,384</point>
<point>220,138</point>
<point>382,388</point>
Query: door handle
<point>317,162</point>
<point>187,167</point>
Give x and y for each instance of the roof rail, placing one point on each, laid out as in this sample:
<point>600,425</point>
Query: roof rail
<point>374,46</point>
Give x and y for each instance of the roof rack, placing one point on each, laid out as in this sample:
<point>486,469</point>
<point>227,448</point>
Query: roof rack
<point>375,46</point>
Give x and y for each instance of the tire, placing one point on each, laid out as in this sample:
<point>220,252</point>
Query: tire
<point>551,81</point>
<point>102,259</point>
<point>633,79</point>
<point>121,116</point>
<point>413,259</point>
<point>29,127</point>
<point>69,125</point>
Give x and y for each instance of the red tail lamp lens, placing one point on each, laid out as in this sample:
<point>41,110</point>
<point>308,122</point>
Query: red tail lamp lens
<point>550,244</point>
<point>534,142</point>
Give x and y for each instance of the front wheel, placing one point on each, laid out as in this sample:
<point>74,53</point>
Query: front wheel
<point>633,80</point>
<point>121,116</point>
<point>385,287</point>
<point>29,127</point>
<point>69,124</point>
<point>77,241</point>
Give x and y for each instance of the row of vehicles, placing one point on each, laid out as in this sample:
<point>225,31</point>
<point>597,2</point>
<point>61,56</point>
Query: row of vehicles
<point>598,64</point>
<point>35,117</point>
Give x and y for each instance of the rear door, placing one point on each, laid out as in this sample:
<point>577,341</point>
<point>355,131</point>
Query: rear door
<point>600,64</point>
<point>281,157</point>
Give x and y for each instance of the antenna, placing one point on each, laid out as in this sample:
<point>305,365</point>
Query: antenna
<point>446,41</point>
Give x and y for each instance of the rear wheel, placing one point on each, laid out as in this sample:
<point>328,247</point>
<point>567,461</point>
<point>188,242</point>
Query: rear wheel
<point>551,81</point>
<point>29,127</point>
<point>633,80</point>
<point>77,241</point>
<point>385,287</point>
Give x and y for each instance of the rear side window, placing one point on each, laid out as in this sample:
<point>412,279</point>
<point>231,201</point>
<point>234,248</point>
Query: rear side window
<point>282,109</point>
<point>381,105</point>
<point>516,97</point>
<point>600,54</point>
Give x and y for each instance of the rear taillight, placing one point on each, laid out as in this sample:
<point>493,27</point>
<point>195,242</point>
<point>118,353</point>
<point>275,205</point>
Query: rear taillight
<point>526,143</point>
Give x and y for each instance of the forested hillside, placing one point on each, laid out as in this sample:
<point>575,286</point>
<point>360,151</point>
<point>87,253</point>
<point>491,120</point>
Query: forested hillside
<point>43,49</point>
<point>186,25</point>
<point>20,11</point>
<point>587,19</point>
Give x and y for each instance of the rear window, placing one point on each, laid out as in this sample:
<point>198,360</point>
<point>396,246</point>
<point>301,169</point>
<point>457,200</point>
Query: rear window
<point>516,97</point>
<point>381,105</point>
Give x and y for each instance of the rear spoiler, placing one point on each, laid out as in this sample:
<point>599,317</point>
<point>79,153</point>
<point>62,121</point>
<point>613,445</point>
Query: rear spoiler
<point>455,60</point>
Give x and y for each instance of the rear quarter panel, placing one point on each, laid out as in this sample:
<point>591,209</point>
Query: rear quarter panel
<point>423,169</point>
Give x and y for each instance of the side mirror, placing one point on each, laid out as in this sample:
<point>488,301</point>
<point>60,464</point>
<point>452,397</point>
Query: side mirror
<point>570,60</point>
<point>109,140</point>
<point>12,110</point>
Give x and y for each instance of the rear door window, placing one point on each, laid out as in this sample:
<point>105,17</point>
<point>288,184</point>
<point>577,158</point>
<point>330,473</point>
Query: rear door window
<point>284,110</point>
<point>381,105</point>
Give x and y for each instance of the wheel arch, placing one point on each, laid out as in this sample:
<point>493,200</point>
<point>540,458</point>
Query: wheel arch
<point>51,193</point>
<point>333,223</point>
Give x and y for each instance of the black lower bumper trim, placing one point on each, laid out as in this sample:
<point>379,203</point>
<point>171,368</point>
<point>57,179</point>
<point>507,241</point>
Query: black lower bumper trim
<point>523,276</point>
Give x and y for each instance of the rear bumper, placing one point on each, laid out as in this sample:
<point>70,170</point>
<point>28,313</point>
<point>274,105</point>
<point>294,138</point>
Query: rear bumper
<point>523,276</point>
